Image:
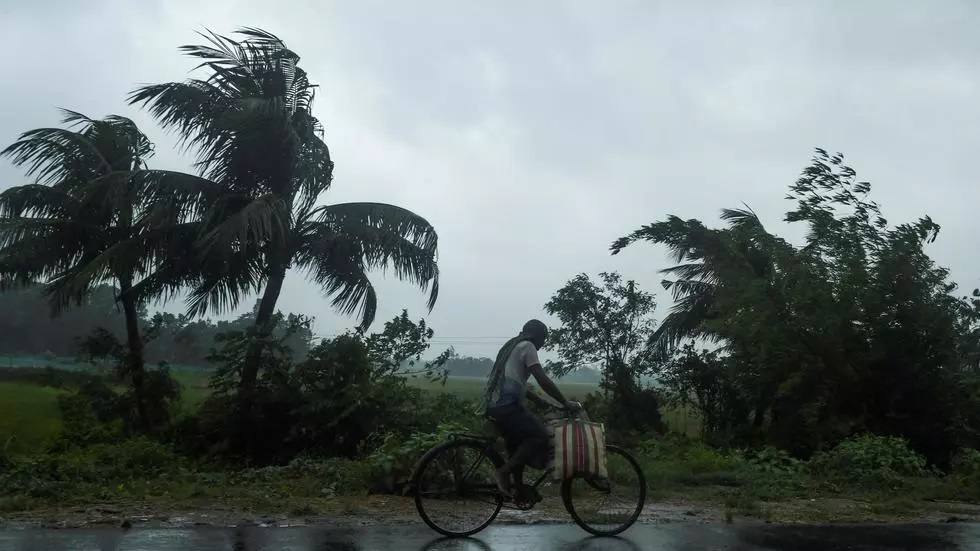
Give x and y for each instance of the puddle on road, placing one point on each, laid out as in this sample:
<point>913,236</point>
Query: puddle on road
<point>663,537</point>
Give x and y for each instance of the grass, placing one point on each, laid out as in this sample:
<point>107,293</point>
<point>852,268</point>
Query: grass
<point>30,418</point>
<point>194,387</point>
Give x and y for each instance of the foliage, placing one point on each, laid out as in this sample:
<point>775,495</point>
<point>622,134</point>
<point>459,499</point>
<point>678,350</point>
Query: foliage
<point>345,390</point>
<point>398,348</point>
<point>770,460</point>
<point>966,472</point>
<point>870,459</point>
<point>104,463</point>
<point>394,460</point>
<point>708,381</point>
<point>607,325</point>
<point>967,463</point>
<point>855,330</point>
<point>150,411</point>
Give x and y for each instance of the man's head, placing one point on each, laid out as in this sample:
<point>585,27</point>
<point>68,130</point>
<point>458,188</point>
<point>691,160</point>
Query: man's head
<point>537,331</point>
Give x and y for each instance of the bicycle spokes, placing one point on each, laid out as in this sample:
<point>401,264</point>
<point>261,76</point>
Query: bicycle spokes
<point>456,489</point>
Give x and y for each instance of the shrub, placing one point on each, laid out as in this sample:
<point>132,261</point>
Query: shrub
<point>628,418</point>
<point>769,460</point>
<point>869,459</point>
<point>675,459</point>
<point>394,460</point>
<point>104,464</point>
<point>81,424</point>
<point>966,463</point>
<point>966,472</point>
<point>331,476</point>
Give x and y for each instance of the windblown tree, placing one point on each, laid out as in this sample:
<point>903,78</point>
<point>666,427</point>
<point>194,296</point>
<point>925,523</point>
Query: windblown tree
<point>263,169</point>
<point>79,226</point>
<point>607,324</point>
<point>855,330</point>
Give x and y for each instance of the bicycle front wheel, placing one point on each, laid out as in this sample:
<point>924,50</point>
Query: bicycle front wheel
<point>454,487</point>
<point>606,507</point>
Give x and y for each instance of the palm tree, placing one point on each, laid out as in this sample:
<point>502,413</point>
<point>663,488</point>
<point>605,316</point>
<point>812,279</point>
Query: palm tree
<point>724,285</point>
<point>263,166</point>
<point>78,226</point>
<point>712,264</point>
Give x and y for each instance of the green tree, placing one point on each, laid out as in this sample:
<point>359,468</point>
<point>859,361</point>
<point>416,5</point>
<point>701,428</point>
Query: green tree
<point>264,167</point>
<point>79,226</point>
<point>855,330</point>
<point>399,347</point>
<point>608,325</point>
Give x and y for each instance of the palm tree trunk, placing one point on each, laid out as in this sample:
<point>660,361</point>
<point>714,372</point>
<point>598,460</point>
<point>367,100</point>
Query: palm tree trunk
<point>263,328</point>
<point>134,356</point>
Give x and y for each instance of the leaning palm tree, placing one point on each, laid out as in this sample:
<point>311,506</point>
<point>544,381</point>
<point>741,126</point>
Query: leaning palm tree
<point>263,167</point>
<point>714,268</point>
<point>78,226</point>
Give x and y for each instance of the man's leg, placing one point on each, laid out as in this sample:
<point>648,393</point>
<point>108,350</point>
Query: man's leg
<point>532,439</point>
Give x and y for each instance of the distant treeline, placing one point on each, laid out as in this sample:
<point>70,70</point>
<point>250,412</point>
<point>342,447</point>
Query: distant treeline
<point>27,328</point>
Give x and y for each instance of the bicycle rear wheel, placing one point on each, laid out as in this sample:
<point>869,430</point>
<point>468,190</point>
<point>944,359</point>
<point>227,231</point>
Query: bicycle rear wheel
<point>587,499</point>
<point>455,492</point>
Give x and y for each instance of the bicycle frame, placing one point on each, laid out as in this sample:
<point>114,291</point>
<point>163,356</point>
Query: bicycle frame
<point>489,450</point>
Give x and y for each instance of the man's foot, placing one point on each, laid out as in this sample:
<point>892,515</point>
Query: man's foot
<point>527,494</point>
<point>503,483</point>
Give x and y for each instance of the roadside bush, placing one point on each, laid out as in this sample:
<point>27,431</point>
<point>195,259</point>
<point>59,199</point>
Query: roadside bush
<point>130,459</point>
<point>395,457</point>
<point>328,405</point>
<point>965,472</point>
<point>966,463</point>
<point>81,422</point>
<point>676,459</point>
<point>769,460</point>
<point>329,476</point>
<point>427,411</point>
<point>48,475</point>
<point>869,459</point>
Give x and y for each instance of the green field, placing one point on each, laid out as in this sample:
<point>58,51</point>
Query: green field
<point>30,414</point>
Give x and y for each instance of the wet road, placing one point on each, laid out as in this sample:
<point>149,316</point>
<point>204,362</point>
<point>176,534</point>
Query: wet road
<point>666,537</point>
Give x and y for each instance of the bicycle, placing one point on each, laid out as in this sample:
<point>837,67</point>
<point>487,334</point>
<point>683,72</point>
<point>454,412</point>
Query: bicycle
<point>479,484</point>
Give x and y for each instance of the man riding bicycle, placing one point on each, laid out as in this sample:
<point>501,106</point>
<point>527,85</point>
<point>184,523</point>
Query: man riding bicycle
<point>504,403</point>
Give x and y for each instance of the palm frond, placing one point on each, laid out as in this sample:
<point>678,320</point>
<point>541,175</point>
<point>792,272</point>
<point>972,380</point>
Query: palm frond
<point>388,237</point>
<point>341,273</point>
<point>223,284</point>
<point>263,220</point>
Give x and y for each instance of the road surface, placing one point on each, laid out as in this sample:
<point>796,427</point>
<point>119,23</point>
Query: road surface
<point>662,537</point>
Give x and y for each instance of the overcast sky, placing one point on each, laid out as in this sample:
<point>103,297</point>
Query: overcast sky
<point>532,134</point>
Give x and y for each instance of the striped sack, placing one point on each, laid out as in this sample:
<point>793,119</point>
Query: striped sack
<point>579,450</point>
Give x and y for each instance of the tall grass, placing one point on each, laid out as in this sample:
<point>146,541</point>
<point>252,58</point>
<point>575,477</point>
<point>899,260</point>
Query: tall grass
<point>29,418</point>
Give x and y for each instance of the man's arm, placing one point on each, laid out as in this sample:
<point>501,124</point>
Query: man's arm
<point>533,365</point>
<point>547,385</point>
